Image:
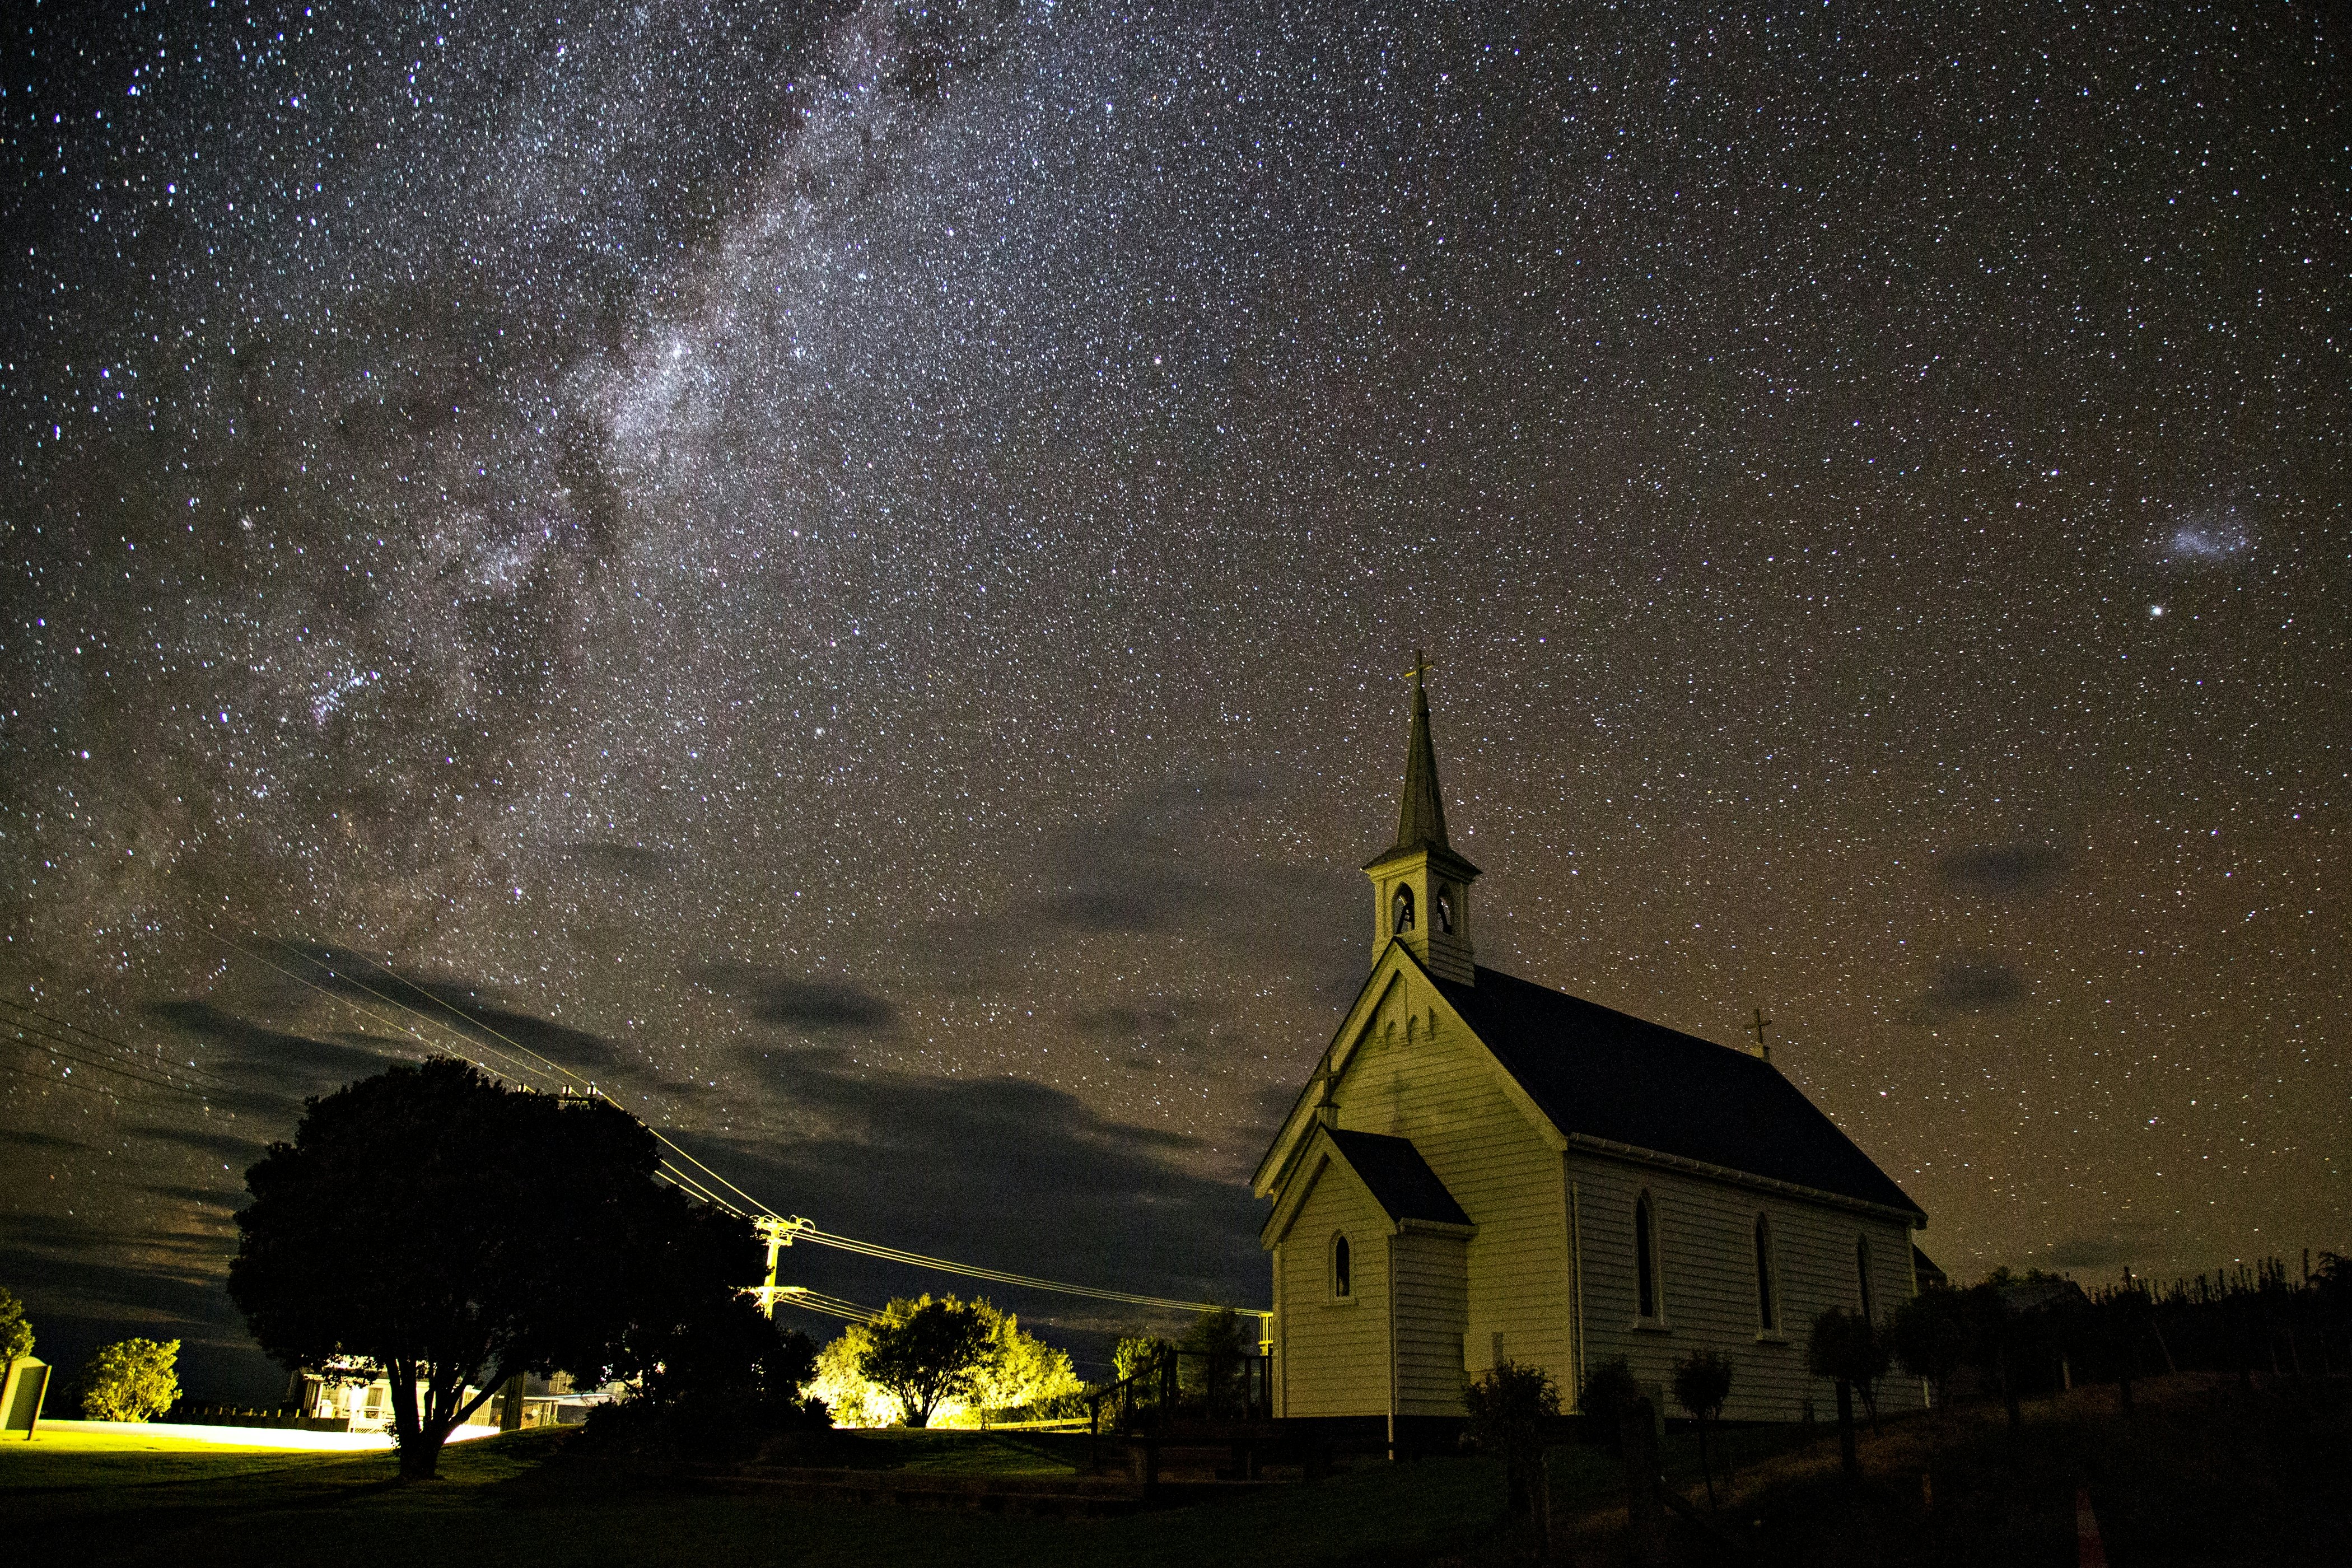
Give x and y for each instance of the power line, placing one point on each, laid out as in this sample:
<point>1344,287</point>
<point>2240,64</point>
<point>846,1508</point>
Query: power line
<point>1004,1277</point>
<point>100,1066</point>
<point>669,1170</point>
<point>758,1211</point>
<point>113,1094</point>
<point>137,1056</point>
<point>549,1065</point>
<point>810,1300</point>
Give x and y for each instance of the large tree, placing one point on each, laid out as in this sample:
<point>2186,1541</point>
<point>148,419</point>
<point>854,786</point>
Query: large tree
<point>129,1380</point>
<point>445,1231</point>
<point>923,1351</point>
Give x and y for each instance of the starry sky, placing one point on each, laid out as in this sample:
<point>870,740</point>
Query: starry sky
<point>842,570</point>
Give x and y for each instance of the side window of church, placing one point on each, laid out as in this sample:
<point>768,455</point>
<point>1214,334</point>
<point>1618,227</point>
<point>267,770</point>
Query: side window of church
<point>1403,909</point>
<point>1645,1259</point>
<point>1445,915</point>
<point>1767,1314</point>
<point>1342,1272</point>
<point>1862,1270</point>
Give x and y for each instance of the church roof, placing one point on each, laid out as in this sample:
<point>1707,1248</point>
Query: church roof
<point>1606,1074</point>
<point>1400,1179</point>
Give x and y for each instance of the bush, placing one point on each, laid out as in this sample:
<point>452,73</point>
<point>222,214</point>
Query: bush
<point>1610,1391</point>
<point>1509,1405</point>
<point>1209,1368</point>
<point>1845,1348</point>
<point>1702,1382</point>
<point>1931,1336</point>
<point>129,1380</point>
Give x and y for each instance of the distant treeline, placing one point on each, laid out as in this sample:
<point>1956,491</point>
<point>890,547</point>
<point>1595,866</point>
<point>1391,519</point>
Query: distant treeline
<point>2035,1332</point>
<point>2262,1317</point>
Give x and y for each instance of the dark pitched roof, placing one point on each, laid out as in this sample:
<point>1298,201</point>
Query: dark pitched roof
<point>1606,1074</point>
<point>1400,1179</point>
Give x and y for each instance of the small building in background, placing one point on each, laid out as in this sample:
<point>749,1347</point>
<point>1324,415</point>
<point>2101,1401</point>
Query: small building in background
<point>365,1405</point>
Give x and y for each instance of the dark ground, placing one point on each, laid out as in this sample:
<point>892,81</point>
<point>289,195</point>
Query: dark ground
<point>2208,1474</point>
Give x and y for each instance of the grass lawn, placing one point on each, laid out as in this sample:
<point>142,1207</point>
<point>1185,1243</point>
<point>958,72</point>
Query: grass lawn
<point>519,1495</point>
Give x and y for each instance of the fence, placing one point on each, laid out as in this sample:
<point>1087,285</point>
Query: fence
<point>1181,1384</point>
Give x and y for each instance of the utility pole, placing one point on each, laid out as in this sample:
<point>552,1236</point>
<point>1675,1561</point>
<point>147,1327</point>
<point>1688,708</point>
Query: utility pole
<point>777,1232</point>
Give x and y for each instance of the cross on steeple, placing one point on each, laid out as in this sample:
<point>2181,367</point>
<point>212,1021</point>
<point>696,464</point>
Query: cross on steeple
<point>1756,1029</point>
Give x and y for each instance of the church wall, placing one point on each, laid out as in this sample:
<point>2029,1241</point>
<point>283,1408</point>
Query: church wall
<point>1445,1094</point>
<point>1706,1277</point>
<point>1335,1356</point>
<point>1432,1306</point>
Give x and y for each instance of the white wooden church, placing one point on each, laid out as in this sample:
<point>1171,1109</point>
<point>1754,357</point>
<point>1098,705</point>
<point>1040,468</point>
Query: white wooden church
<point>1484,1168</point>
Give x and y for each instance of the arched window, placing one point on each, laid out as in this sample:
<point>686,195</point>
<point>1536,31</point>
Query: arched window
<point>1645,1259</point>
<point>1445,915</point>
<point>1343,1283</point>
<point>1768,1314</point>
<point>1403,908</point>
<point>1862,1270</point>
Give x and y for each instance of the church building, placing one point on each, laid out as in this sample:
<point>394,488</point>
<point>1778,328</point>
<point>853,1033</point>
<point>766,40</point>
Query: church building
<point>1484,1168</point>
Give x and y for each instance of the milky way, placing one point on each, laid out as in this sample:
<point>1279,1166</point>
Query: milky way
<point>842,572</point>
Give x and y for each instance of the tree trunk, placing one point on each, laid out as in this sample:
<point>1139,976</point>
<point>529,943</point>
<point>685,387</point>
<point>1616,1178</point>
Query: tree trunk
<point>421,1460</point>
<point>406,1427</point>
<point>1847,1459</point>
<point>1706,1465</point>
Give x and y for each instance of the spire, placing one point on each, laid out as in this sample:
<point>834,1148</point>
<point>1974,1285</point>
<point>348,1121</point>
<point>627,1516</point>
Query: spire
<point>1421,814</point>
<point>1421,887</point>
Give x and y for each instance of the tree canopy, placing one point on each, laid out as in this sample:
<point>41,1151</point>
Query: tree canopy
<point>129,1380</point>
<point>1932,1337</point>
<point>450,1233</point>
<point>16,1330</point>
<point>924,1351</point>
<point>1017,1371</point>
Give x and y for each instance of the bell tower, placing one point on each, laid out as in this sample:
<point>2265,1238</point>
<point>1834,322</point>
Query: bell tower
<point>1420,887</point>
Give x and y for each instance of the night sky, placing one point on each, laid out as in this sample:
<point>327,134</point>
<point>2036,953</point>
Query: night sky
<point>844,570</point>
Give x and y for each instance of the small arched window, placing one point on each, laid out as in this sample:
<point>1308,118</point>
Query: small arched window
<point>1402,910</point>
<point>1767,1316</point>
<point>1645,1259</point>
<point>1862,1270</point>
<point>1343,1283</point>
<point>1444,918</point>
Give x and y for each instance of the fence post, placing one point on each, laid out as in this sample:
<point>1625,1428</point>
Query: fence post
<point>1637,1436</point>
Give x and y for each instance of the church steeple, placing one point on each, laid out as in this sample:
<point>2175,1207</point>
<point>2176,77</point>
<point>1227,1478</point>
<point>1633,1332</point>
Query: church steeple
<point>1421,814</point>
<point>1420,887</point>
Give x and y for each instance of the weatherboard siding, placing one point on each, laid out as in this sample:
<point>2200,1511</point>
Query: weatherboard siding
<point>1706,1278</point>
<point>1335,1353</point>
<point>1445,1093</point>
<point>1431,1315</point>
